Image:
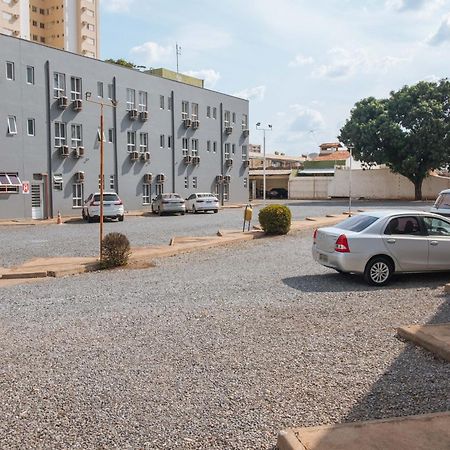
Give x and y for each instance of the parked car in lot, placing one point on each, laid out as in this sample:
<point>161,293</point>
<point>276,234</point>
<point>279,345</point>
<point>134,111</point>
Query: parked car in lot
<point>112,207</point>
<point>380,243</point>
<point>442,204</point>
<point>202,202</point>
<point>168,203</point>
<point>277,193</point>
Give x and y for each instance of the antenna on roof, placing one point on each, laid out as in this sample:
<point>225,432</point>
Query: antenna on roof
<point>178,52</point>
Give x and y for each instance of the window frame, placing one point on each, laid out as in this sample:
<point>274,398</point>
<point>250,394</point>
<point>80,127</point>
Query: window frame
<point>10,74</point>
<point>28,71</point>
<point>76,135</point>
<point>77,195</point>
<point>33,122</point>
<point>131,143</point>
<point>59,84</point>
<point>131,99</point>
<point>12,125</point>
<point>146,193</point>
<point>143,142</point>
<point>143,101</point>
<point>60,139</point>
<point>76,92</point>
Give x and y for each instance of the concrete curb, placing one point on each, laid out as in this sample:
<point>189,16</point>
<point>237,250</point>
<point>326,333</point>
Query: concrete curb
<point>435,338</point>
<point>447,288</point>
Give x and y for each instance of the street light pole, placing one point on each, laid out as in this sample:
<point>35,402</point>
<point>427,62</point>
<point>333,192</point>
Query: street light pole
<point>269,127</point>
<point>350,148</point>
<point>102,174</point>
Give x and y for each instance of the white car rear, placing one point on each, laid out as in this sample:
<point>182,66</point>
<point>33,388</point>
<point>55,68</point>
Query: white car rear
<point>202,202</point>
<point>442,204</point>
<point>112,207</point>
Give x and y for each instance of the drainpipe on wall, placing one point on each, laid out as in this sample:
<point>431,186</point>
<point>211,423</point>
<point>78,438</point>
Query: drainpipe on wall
<point>173,140</point>
<point>49,174</point>
<point>221,153</point>
<point>116,164</point>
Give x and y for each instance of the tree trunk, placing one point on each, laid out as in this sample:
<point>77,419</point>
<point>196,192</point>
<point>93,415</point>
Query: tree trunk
<point>418,189</point>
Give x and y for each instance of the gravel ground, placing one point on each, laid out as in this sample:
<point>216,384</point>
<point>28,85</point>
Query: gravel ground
<point>214,350</point>
<point>20,243</point>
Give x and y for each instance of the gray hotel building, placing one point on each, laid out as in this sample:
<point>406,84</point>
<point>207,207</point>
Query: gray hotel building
<point>166,133</point>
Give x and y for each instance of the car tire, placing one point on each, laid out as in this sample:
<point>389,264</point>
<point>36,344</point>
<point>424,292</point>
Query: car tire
<point>160,213</point>
<point>121,218</point>
<point>194,210</point>
<point>216,211</point>
<point>378,271</point>
<point>89,218</point>
<point>183,213</point>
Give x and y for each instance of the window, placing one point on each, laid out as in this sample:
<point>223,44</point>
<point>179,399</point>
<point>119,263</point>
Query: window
<point>161,101</point>
<point>97,197</point>
<point>90,27</point>
<point>226,118</point>
<point>30,74</point>
<point>185,146</point>
<point>143,101</point>
<point>59,85</point>
<point>227,150</point>
<point>194,111</point>
<point>233,149</point>
<point>184,109</point>
<point>77,195</point>
<point>75,88</point>
<point>131,141</point>
<point>169,103</point>
<point>9,183</point>
<point>436,227</point>
<point>169,141</point>
<point>162,140</point>
<point>233,118</point>
<point>408,225</point>
<point>244,122</point>
<point>111,91</point>
<point>186,182</point>
<point>194,147</point>
<point>214,113</point>
<point>131,99</point>
<point>194,182</point>
<point>226,192</point>
<point>100,89</point>
<point>214,147</point>
<point>143,142</point>
<point>111,135</point>
<point>12,125</point>
<point>146,193</point>
<point>442,202</point>
<point>112,183</point>
<point>159,188</point>
<point>31,127</point>
<point>60,134</point>
<point>10,73</point>
<point>208,146</point>
<point>208,111</point>
<point>245,183</point>
<point>98,135</point>
<point>76,135</point>
<point>244,153</point>
<point>217,190</point>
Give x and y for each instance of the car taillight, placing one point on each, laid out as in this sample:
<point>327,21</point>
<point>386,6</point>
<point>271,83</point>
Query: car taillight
<point>341,245</point>
<point>118,202</point>
<point>315,235</point>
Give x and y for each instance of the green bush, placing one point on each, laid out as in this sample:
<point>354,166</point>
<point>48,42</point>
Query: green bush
<point>275,219</point>
<point>116,250</point>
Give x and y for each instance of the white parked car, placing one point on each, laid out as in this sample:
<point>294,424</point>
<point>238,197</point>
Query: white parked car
<point>379,243</point>
<point>442,204</point>
<point>112,207</point>
<point>202,202</point>
<point>168,203</point>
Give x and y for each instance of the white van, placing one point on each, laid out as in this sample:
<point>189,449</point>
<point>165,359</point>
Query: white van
<point>442,204</point>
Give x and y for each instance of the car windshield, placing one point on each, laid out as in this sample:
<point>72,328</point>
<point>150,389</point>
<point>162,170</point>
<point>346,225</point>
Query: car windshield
<point>357,223</point>
<point>170,196</point>
<point>443,201</point>
<point>106,197</point>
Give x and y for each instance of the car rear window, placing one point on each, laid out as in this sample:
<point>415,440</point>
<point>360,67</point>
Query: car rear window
<point>106,197</point>
<point>357,223</point>
<point>204,195</point>
<point>443,202</point>
<point>170,196</point>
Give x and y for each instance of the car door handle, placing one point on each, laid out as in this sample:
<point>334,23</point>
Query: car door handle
<point>391,241</point>
<point>434,242</point>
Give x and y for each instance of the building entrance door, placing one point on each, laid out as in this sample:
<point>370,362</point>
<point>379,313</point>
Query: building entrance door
<point>37,201</point>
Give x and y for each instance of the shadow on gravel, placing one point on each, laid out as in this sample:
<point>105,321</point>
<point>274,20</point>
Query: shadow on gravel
<point>339,282</point>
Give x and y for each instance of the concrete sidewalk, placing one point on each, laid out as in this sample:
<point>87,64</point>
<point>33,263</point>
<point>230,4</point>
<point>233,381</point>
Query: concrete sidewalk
<point>423,432</point>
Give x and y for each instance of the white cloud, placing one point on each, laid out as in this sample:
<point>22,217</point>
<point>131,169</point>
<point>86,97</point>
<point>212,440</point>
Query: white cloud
<point>210,76</point>
<point>117,6</point>
<point>153,53</point>
<point>254,93</point>
<point>414,5</point>
<point>199,37</point>
<point>301,60</point>
<point>442,34</point>
<point>305,119</point>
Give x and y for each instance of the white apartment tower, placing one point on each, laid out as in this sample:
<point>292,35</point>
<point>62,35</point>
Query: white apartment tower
<point>71,25</point>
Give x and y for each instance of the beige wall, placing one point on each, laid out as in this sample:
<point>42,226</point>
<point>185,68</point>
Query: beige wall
<point>309,187</point>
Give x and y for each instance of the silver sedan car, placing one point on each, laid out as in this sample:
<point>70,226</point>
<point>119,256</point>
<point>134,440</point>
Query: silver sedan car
<point>379,243</point>
<point>168,203</point>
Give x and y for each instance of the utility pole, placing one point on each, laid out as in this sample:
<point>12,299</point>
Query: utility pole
<point>178,53</point>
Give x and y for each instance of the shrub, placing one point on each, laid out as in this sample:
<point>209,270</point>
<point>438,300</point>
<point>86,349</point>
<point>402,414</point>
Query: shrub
<point>116,250</point>
<point>275,219</point>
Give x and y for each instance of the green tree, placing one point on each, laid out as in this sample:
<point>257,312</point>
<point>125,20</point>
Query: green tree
<point>409,131</point>
<point>121,62</point>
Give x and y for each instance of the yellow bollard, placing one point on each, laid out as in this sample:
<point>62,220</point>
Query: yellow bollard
<point>248,214</point>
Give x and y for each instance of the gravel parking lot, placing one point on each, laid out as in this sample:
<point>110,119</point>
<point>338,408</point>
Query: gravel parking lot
<point>213,350</point>
<point>20,243</point>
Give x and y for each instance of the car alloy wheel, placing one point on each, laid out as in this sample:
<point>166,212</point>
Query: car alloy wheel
<point>378,271</point>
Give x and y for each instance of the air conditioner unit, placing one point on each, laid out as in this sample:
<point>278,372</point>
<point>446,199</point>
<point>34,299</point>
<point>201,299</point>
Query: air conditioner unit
<point>229,162</point>
<point>148,177</point>
<point>160,178</point>
<point>227,179</point>
<point>187,159</point>
<point>134,156</point>
<point>245,132</point>
<point>219,178</point>
<point>64,151</point>
<point>77,105</point>
<point>143,115</point>
<point>228,130</point>
<point>195,124</point>
<point>133,114</point>
<point>79,176</point>
<point>78,152</point>
<point>15,16</point>
<point>196,160</point>
<point>246,162</point>
<point>145,156</point>
<point>63,101</point>
<point>16,33</point>
<point>187,123</point>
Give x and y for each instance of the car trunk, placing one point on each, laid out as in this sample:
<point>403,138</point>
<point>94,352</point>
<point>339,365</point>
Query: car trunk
<point>326,238</point>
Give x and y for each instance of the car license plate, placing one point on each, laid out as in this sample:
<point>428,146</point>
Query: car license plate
<point>323,258</point>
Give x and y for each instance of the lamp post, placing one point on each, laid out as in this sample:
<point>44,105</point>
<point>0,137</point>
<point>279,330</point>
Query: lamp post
<point>350,149</point>
<point>113,104</point>
<point>260,128</point>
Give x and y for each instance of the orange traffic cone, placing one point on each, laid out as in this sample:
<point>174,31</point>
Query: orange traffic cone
<point>58,220</point>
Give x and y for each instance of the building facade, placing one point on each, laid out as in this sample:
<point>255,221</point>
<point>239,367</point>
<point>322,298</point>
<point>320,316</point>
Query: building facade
<point>71,25</point>
<point>162,135</point>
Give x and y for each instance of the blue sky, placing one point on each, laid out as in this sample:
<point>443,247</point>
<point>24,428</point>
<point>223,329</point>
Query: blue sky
<point>302,64</point>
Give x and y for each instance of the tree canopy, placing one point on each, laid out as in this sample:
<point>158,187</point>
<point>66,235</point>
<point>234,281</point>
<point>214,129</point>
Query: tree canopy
<point>409,131</point>
<point>121,62</point>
